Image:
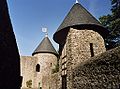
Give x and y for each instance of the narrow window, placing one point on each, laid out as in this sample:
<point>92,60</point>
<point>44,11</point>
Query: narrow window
<point>91,49</point>
<point>64,82</point>
<point>50,64</point>
<point>37,68</point>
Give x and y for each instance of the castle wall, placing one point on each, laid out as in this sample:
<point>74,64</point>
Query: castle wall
<point>100,72</point>
<point>47,62</point>
<point>78,45</point>
<point>78,49</point>
<point>75,52</point>
<point>28,70</point>
<point>55,81</point>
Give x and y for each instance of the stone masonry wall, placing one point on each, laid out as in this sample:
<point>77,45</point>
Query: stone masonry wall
<point>47,62</point>
<point>78,49</point>
<point>55,81</point>
<point>28,70</point>
<point>78,44</point>
<point>100,72</point>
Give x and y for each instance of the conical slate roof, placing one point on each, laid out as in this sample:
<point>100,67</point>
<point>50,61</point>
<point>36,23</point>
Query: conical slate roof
<point>45,47</point>
<point>78,16</point>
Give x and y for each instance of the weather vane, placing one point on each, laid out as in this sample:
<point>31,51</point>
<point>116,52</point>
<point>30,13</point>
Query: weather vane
<point>45,31</point>
<point>77,1</point>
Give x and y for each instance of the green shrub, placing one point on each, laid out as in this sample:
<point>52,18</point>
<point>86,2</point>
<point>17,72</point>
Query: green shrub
<point>56,69</point>
<point>29,83</point>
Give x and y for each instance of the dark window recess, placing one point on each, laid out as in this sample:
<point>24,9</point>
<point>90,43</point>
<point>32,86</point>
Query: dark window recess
<point>50,64</point>
<point>64,82</point>
<point>91,49</point>
<point>37,68</point>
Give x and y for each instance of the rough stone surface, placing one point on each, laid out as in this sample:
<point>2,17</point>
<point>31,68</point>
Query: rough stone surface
<point>47,62</point>
<point>55,81</point>
<point>78,49</point>
<point>78,45</point>
<point>28,70</point>
<point>100,72</point>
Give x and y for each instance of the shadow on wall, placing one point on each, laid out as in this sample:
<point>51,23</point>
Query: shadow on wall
<point>9,56</point>
<point>101,72</point>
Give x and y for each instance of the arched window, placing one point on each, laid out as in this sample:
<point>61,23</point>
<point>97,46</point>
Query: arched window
<point>37,68</point>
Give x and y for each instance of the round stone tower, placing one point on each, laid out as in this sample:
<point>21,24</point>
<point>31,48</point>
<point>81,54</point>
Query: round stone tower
<point>47,60</point>
<point>80,36</point>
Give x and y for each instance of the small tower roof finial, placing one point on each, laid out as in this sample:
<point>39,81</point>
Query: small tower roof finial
<point>45,31</point>
<point>77,1</point>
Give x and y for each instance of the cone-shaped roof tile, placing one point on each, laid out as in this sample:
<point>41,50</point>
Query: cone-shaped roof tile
<point>77,16</point>
<point>45,47</point>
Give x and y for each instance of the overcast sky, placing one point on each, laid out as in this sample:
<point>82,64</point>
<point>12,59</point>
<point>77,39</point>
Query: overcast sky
<point>29,16</point>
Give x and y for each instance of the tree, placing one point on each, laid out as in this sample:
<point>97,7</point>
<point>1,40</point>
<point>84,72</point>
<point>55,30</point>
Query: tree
<point>112,23</point>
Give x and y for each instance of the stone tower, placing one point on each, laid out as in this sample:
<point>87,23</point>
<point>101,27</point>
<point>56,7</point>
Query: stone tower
<point>80,36</point>
<point>47,60</point>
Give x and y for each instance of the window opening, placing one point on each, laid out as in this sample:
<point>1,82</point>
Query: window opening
<point>64,82</point>
<point>91,49</point>
<point>37,68</point>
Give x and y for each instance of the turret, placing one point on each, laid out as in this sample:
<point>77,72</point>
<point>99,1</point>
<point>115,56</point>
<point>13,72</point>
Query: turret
<point>45,47</point>
<point>79,18</point>
<point>47,60</point>
<point>80,36</point>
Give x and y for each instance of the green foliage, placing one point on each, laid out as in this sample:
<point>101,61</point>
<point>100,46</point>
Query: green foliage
<point>56,69</point>
<point>105,20</point>
<point>40,85</point>
<point>29,83</point>
<point>112,23</point>
<point>115,8</point>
